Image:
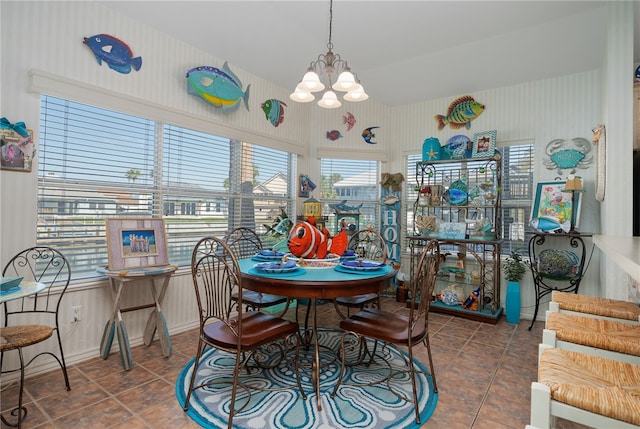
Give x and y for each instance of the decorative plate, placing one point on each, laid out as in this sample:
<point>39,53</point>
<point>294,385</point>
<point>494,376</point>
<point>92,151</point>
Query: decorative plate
<point>276,267</point>
<point>557,262</point>
<point>457,147</point>
<point>362,265</point>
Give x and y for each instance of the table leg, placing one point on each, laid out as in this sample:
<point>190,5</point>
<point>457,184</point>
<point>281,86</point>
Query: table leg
<point>116,326</point>
<point>156,321</point>
<point>315,366</point>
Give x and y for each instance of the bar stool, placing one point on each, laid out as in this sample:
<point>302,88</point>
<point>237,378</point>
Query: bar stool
<point>600,337</point>
<point>593,306</point>
<point>585,389</point>
<point>16,338</point>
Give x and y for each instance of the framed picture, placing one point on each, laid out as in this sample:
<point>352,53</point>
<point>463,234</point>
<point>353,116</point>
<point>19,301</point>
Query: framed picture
<point>484,144</point>
<point>305,185</point>
<point>17,150</point>
<point>136,242</point>
<point>551,201</point>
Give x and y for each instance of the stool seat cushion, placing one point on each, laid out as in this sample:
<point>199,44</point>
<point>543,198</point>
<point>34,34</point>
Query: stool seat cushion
<point>596,305</point>
<point>600,333</point>
<point>603,386</point>
<point>15,337</point>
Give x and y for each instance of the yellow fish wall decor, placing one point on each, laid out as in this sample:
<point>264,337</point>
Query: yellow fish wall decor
<point>460,113</point>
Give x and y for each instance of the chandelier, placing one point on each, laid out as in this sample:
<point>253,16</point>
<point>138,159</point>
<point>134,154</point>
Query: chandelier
<point>326,65</point>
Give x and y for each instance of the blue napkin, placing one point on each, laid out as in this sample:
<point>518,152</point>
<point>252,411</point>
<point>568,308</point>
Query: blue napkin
<point>270,253</point>
<point>363,264</point>
<point>349,252</point>
<point>276,265</point>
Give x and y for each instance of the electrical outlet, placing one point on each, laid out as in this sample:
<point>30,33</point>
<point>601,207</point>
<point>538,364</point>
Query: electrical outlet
<point>75,313</point>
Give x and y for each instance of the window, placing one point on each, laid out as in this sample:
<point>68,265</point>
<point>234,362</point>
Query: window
<point>349,186</point>
<point>95,163</point>
<point>517,193</point>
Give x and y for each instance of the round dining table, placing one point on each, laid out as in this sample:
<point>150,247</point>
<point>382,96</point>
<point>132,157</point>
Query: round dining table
<point>315,284</point>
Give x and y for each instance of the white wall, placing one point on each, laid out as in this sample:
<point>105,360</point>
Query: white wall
<point>564,107</point>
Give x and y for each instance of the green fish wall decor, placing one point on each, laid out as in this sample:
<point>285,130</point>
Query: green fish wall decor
<point>460,113</point>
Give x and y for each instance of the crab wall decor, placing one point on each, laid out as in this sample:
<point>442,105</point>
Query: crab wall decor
<point>563,155</point>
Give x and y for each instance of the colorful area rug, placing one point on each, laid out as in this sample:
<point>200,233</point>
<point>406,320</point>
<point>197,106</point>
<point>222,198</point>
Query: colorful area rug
<point>353,407</point>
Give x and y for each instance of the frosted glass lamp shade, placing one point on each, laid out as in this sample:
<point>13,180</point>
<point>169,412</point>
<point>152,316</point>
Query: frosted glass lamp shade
<point>311,82</point>
<point>356,94</point>
<point>346,82</point>
<point>329,101</point>
<point>301,96</point>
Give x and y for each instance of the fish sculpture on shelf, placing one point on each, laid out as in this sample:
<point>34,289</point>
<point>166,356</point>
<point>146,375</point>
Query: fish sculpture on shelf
<point>334,135</point>
<point>549,224</point>
<point>113,51</point>
<point>221,88</point>
<point>342,207</point>
<point>274,110</point>
<point>368,135</point>
<point>350,120</point>
<point>307,241</point>
<point>460,113</point>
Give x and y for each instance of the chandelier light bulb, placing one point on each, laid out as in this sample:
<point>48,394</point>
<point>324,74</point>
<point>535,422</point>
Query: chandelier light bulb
<point>346,82</point>
<point>356,94</point>
<point>311,82</point>
<point>301,96</point>
<point>329,101</point>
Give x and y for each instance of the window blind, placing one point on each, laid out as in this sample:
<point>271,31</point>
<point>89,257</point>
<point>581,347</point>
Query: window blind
<point>352,183</point>
<point>96,163</point>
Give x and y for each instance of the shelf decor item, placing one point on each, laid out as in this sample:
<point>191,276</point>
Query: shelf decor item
<point>514,269</point>
<point>484,144</point>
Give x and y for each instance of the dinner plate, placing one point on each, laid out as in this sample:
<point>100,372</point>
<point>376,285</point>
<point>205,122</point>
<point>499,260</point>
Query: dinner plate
<point>275,267</point>
<point>267,255</point>
<point>363,265</point>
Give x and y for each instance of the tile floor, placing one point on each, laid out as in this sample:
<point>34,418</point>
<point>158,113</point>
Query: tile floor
<point>483,371</point>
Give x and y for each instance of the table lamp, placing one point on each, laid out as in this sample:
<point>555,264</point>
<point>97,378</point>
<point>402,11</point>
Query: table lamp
<point>573,185</point>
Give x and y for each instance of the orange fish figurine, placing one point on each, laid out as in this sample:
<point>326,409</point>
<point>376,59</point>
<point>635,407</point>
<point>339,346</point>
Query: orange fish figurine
<point>307,241</point>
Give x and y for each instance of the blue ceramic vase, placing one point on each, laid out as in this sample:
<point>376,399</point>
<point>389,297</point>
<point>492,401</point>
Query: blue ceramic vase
<point>513,302</point>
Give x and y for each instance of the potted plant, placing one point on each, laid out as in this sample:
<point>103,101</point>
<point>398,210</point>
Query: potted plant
<point>514,269</point>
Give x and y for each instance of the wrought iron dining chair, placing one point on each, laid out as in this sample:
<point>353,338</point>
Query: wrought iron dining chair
<point>393,328</point>
<point>367,244</point>
<point>16,338</point>
<point>43,265</point>
<point>245,243</point>
<point>215,273</point>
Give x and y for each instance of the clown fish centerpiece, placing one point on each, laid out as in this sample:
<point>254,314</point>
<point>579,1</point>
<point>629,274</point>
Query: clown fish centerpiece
<point>307,241</point>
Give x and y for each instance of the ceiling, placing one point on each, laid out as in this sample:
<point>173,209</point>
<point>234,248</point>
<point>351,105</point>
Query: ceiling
<point>402,51</point>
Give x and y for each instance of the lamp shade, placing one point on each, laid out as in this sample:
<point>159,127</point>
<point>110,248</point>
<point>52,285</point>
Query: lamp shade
<point>329,101</point>
<point>346,82</point>
<point>356,94</point>
<point>311,82</point>
<point>301,96</point>
<point>574,183</point>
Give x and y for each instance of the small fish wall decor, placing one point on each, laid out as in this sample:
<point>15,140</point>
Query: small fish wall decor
<point>563,155</point>
<point>113,51</point>
<point>460,113</point>
<point>274,110</point>
<point>350,120</point>
<point>368,135</point>
<point>222,88</point>
<point>334,135</point>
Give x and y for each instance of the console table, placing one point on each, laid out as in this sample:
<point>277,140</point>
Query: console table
<point>554,268</point>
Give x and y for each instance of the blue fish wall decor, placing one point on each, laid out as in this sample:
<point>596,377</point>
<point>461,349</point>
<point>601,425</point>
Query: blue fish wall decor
<point>274,111</point>
<point>222,88</point>
<point>368,135</point>
<point>113,51</point>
